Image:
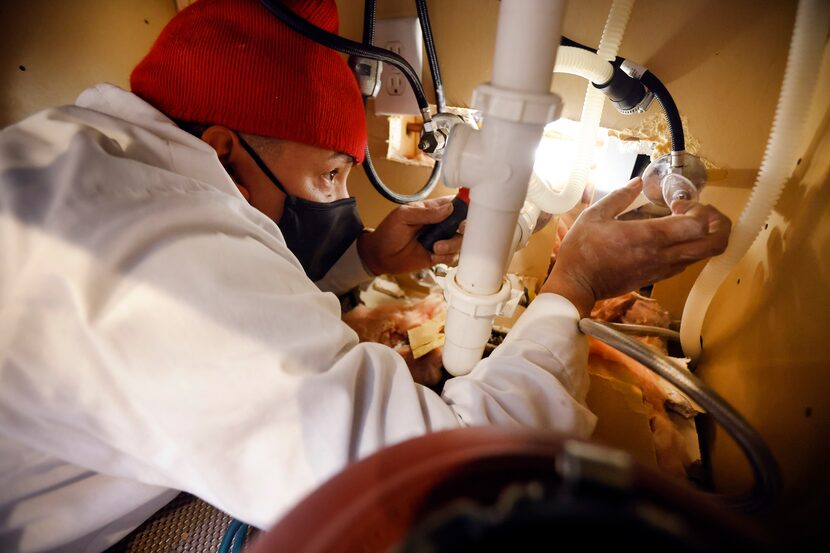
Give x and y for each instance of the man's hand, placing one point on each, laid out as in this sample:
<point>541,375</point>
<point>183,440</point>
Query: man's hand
<point>602,257</point>
<point>393,248</point>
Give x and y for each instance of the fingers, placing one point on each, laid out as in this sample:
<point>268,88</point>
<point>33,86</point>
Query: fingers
<point>425,214</point>
<point>719,223</point>
<point>691,221</point>
<point>679,207</point>
<point>445,259</point>
<point>542,221</point>
<point>674,229</point>
<point>436,202</point>
<point>612,205</point>
<point>448,247</point>
<point>712,244</point>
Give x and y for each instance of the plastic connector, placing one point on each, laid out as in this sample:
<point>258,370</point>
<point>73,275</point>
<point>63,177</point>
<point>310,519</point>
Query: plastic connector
<point>674,176</point>
<point>519,107</point>
<point>367,72</point>
<point>677,187</point>
<point>627,93</point>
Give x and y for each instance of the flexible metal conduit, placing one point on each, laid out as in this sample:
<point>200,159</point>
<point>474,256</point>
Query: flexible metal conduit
<point>432,55</point>
<point>646,330</point>
<point>764,466</point>
<point>346,46</point>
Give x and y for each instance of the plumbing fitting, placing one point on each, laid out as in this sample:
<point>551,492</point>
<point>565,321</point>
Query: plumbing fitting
<point>674,176</point>
<point>367,71</point>
<point>434,142</point>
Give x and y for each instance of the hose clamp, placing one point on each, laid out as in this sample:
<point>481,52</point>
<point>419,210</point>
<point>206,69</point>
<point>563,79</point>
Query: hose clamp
<point>641,107</point>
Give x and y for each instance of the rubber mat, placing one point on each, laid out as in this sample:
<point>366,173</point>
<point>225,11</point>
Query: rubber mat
<point>185,525</point>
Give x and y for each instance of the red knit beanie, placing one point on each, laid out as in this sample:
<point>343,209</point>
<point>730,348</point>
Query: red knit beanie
<point>233,63</point>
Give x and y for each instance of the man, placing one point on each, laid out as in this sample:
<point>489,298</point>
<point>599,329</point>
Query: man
<point>158,327</point>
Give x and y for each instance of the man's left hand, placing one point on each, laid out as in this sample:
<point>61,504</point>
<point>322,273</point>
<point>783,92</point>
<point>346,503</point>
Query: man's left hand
<point>393,247</point>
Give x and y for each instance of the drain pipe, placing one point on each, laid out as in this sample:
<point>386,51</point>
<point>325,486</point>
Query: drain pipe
<point>542,193</point>
<point>588,65</point>
<point>495,163</point>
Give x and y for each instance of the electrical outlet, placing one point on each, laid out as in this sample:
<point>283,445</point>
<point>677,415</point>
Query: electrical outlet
<point>401,35</point>
<point>395,46</point>
<point>395,85</point>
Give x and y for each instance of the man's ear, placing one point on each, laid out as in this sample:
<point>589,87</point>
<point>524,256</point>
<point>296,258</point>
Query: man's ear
<point>227,146</point>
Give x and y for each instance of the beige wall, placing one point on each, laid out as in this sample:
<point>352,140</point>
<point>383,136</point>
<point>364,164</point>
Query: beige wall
<point>765,338</point>
<point>722,60</point>
<point>765,341</point>
<point>66,46</point>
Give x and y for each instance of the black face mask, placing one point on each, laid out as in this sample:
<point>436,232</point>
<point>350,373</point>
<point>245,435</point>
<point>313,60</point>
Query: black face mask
<point>317,233</point>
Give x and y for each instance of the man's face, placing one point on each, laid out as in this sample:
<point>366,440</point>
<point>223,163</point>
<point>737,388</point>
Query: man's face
<point>308,172</point>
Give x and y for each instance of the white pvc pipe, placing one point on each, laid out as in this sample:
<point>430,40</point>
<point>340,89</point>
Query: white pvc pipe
<point>609,44</point>
<point>540,192</point>
<point>528,217</point>
<point>467,337</point>
<point>495,206</point>
<point>524,57</point>
<point>488,239</point>
<point>583,63</point>
<point>786,138</point>
<point>526,43</point>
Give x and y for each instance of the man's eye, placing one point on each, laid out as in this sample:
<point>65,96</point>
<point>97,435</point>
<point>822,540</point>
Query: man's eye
<point>331,175</point>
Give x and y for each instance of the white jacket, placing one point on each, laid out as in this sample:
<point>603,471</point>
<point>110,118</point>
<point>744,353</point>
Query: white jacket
<point>157,335</point>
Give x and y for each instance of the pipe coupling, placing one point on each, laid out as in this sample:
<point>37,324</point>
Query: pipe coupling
<point>501,304</point>
<point>518,107</point>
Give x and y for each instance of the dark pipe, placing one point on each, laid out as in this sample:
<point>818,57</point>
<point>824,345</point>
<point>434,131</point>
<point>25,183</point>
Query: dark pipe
<point>678,141</point>
<point>337,42</point>
<point>432,57</point>
<point>369,21</point>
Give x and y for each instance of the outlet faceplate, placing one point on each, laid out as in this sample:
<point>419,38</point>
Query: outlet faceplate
<point>401,35</point>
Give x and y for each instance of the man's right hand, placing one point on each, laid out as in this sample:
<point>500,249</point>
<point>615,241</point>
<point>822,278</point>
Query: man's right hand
<point>602,257</point>
<point>393,247</point>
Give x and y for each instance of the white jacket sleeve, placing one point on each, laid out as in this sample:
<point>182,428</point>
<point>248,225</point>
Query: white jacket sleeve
<point>212,366</point>
<point>348,272</point>
<point>166,335</point>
